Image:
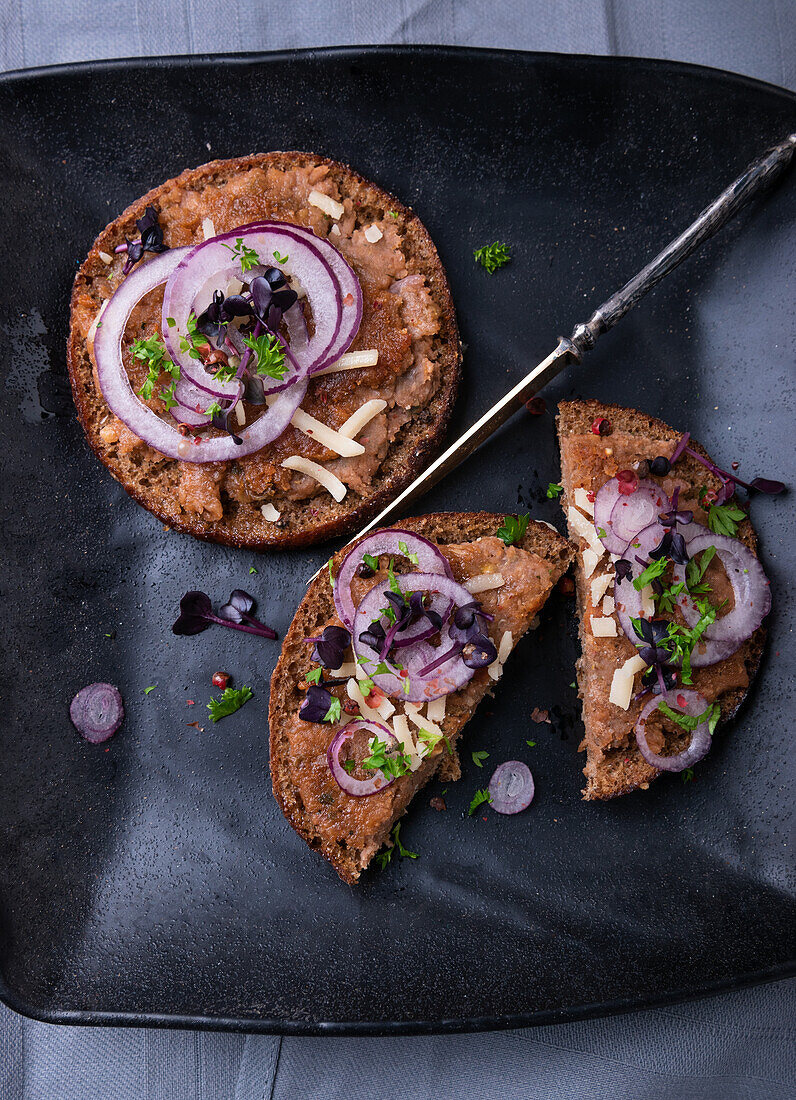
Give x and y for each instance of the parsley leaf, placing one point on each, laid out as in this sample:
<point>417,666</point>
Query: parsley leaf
<point>405,551</point>
<point>394,586</point>
<point>531,744</point>
<point>247,256</point>
<point>152,351</point>
<point>723,519</point>
<point>688,775</point>
<point>479,758</point>
<point>492,256</point>
<point>479,798</point>
<point>150,688</point>
<point>213,409</point>
<point>383,858</point>
<point>601,532</point>
<point>281,259</point>
<point>334,712</point>
<point>314,676</point>
<point>694,572</point>
<point>194,340</point>
<point>688,721</point>
<point>428,740</point>
<point>232,700</point>
<point>167,395</point>
<point>252,569</point>
<point>269,354</point>
<point>513,529</point>
<point>371,562</point>
<point>391,762</point>
<point>554,490</point>
<point>331,574</point>
<point>653,570</point>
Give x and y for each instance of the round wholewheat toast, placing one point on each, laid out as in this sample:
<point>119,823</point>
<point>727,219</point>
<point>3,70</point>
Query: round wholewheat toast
<point>408,317</point>
<point>347,830</point>
<point>614,764</point>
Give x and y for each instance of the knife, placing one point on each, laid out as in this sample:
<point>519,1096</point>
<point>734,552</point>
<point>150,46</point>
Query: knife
<point>759,175</point>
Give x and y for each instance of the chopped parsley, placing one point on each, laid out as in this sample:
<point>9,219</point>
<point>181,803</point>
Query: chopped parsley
<point>366,686</point>
<point>191,343</point>
<point>152,351</point>
<point>252,569</point>
<point>479,798</point>
<point>213,409</point>
<point>371,562</point>
<point>392,763</point>
<point>690,722</point>
<point>314,676</point>
<point>269,354</point>
<point>383,858</point>
<point>394,586</point>
<point>554,490</point>
<point>405,551</point>
<point>334,712</point>
<point>492,256</point>
<point>479,758</point>
<point>601,532</point>
<point>247,256</point>
<point>232,700</point>
<point>150,688</point>
<point>531,744</point>
<point>653,570</point>
<point>331,574</point>
<point>281,259</point>
<point>382,667</point>
<point>513,529</point>
<point>694,572</point>
<point>688,775</point>
<point>167,395</point>
<point>723,519</point>
<point>429,739</point>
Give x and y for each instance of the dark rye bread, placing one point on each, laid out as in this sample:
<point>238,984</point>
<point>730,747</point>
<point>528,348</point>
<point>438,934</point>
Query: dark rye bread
<point>313,613</point>
<point>622,770</point>
<point>153,483</point>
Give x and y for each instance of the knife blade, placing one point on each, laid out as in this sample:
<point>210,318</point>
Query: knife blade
<point>760,174</point>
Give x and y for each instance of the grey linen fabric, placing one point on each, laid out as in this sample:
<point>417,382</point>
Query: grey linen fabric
<point>735,1047</point>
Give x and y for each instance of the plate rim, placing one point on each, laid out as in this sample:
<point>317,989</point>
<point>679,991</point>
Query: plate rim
<point>450,1025</point>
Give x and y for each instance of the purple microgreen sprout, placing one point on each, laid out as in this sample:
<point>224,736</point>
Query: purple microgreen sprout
<point>151,239</point>
<point>196,615</point>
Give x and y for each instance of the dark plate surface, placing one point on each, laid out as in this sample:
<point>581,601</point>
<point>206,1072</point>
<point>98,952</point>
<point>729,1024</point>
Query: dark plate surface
<point>153,879</point>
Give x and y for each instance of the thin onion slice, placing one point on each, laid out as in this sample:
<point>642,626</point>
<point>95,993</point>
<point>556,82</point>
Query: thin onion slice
<point>751,592</point>
<point>632,512</point>
<point>359,788</point>
<point>684,702</point>
<point>511,787</point>
<point>430,559</point>
<point>97,712</point>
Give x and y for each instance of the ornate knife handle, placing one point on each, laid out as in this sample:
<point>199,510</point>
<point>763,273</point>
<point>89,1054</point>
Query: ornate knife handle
<point>760,174</point>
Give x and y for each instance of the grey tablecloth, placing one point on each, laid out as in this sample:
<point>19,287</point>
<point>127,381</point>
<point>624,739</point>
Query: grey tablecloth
<point>734,1047</point>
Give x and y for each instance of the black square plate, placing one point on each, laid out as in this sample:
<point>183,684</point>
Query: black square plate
<point>153,879</point>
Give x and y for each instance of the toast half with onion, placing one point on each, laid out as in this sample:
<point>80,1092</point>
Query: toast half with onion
<point>602,446</point>
<point>370,419</point>
<point>347,815</point>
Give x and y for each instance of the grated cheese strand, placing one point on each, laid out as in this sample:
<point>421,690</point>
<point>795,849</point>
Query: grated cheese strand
<point>312,469</point>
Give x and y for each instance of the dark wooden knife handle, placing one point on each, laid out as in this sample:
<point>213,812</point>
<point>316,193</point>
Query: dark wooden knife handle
<point>760,174</point>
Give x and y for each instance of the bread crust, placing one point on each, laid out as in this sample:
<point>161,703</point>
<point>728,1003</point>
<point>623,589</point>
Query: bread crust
<point>575,418</point>
<point>318,519</point>
<point>318,606</point>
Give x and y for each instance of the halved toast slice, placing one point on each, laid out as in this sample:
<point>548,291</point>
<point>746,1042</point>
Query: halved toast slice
<point>349,830</point>
<point>614,765</point>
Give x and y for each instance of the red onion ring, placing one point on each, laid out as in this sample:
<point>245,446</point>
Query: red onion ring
<point>358,788</point>
<point>511,787</point>
<point>315,263</point>
<point>604,500</point>
<point>701,740</point>
<point>635,511</point>
<point>97,712</point>
<point>751,591</point>
<point>447,677</point>
<point>430,559</point>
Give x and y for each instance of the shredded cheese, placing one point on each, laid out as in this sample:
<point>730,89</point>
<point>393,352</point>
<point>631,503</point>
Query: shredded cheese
<point>609,605</point>
<point>585,530</point>
<point>400,728</point>
<point>357,421</point>
<point>335,230</point>
<point>590,560</point>
<point>373,234</point>
<point>270,513</point>
<point>208,228</point>
<point>622,682</point>
<point>484,582</point>
<point>603,628</point>
<point>599,586</point>
<point>417,719</point>
<point>328,437</point>
<point>326,204</point>
<point>647,603</point>
<point>436,709</point>
<point>323,477</point>
<point>495,670</point>
<point>240,413</point>
<point>350,361</point>
<point>583,502</point>
<point>354,691</point>
<point>348,668</point>
<point>106,258</point>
